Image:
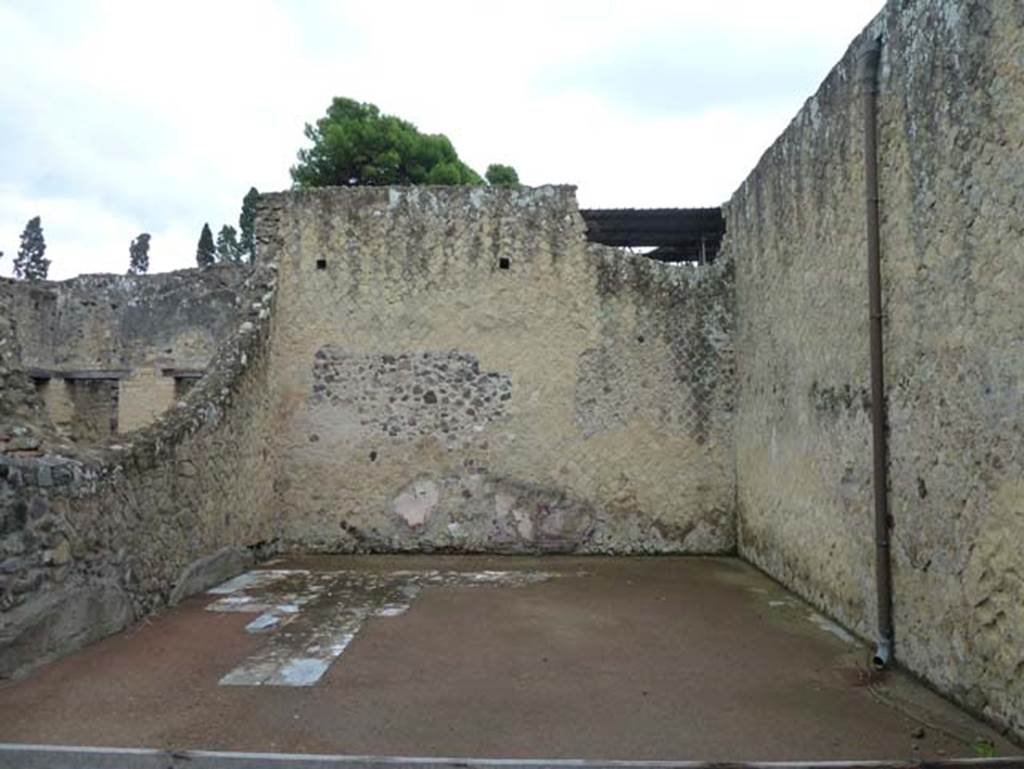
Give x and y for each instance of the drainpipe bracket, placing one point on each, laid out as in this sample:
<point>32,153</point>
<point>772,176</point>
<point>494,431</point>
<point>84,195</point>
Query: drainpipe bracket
<point>883,654</point>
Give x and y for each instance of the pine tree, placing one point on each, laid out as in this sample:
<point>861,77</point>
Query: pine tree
<point>139,255</point>
<point>499,175</point>
<point>247,224</point>
<point>206,254</point>
<point>355,144</point>
<point>30,263</point>
<point>228,249</point>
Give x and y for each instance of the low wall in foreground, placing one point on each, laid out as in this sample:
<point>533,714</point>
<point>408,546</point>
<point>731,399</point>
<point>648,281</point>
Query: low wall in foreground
<point>93,541</point>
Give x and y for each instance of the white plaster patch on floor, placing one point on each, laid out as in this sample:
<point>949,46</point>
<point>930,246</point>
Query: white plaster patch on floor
<point>304,671</point>
<point>309,618</point>
<point>275,617</point>
<point>243,603</point>
<point>250,579</point>
<point>831,627</point>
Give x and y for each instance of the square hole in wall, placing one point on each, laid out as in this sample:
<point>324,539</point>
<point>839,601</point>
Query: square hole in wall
<point>504,263</point>
<point>321,264</point>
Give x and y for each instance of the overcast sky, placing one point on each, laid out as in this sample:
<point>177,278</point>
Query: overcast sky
<point>123,117</point>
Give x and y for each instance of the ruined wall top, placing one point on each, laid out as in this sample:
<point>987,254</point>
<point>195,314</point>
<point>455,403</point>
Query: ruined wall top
<point>121,321</point>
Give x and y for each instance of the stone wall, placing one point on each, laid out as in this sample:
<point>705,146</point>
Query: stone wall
<point>23,415</point>
<point>952,186</point>
<point>143,396</point>
<point>112,322</point>
<point>127,327</point>
<point>458,369</point>
<point>444,369</point>
<point>90,542</point>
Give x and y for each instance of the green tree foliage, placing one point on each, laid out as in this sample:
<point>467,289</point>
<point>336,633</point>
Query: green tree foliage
<point>247,223</point>
<point>206,253</point>
<point>355,144</point>
<point>30,263</point>
<point>138,255</point>
<point>499,175</point>
<point>228,249</point>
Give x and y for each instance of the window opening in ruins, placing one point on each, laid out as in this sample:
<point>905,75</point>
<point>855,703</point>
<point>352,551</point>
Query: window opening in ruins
<point>182,385</point>
<point>504,263</point>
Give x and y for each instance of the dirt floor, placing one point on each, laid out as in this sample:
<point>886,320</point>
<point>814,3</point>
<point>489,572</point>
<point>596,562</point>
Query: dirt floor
<point>603,658</point>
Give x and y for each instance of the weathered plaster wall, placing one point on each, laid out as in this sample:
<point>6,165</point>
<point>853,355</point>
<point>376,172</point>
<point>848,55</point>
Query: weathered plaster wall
<point>122,321</point>
<point>109,323</point>
<point>143,396</point>
<point>952,186</point>
<point>92,541</point>
<point>427,397</point>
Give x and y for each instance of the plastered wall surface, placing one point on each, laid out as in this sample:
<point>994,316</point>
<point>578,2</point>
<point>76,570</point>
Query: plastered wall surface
<point>951,133</point>
<point>143,396</point>
<point>465,372</point>
<point>123,321</point>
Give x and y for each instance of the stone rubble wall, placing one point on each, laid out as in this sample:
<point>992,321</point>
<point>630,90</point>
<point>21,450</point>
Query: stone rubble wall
<point>951,143</point>
<point>123,321</point>
<point>93,540</point>
<point>22,412</point>
<point>106,323</point>
<point>464,372</point>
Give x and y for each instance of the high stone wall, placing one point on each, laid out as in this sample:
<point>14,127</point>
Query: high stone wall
<point>458,369</point>
<point>951,139</point>
<point>123,321</point>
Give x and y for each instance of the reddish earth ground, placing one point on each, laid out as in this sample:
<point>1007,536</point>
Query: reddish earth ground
<point>615,658</point>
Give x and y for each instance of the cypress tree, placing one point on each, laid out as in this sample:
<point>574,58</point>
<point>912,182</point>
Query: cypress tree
<point>31,262</point>
<point>139,255</point>
<point>228,250</point>
<point>206,253</point>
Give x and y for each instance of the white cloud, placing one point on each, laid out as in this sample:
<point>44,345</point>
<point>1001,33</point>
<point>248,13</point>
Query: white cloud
<point>120,117</point>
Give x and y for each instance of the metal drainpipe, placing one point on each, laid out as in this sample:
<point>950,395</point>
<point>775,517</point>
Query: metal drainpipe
<point>880,478</point>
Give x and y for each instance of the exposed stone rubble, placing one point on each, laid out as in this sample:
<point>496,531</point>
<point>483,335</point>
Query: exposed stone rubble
<point>23,420</point>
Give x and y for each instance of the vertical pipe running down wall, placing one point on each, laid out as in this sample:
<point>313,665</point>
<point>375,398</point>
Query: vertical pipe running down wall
<point>880,476</point>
